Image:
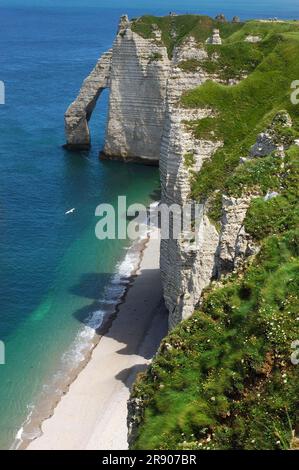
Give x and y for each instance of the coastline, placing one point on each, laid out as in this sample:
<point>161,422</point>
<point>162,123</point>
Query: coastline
<point>91,414</point>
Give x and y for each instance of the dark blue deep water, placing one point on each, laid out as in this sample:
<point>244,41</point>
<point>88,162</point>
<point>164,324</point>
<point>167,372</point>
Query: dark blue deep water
<point>53,270</point>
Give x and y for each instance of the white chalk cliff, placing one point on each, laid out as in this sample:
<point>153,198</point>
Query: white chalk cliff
<point>136,71</point>
<point>147,122</point>
<point>80,111</point>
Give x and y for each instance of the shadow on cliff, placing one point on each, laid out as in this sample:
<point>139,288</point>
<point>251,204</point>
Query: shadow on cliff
<point>128,376</point>
<point>155,195</point>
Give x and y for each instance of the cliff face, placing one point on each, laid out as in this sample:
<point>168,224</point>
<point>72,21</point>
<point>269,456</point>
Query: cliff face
<point>138,78</point>
<point>136,71</point>
<point>147,122</point>
<point>80,111</point>
<point>233,148</point>
<point>185,270</point>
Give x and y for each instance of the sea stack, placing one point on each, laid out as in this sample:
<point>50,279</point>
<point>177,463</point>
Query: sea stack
<point>215,39</point>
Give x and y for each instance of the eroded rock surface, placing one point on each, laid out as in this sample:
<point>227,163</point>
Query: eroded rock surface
<point>186,268</point>
<point>136,72</point>
<point>272,140</point>
<point>147,122</point>
<point>234,245</point>
<point>139,72</point>
<point>215,38</point>
<point>80,111</point>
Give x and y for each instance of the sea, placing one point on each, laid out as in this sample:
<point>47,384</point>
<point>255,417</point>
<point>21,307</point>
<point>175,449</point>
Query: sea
<point>57,280</point>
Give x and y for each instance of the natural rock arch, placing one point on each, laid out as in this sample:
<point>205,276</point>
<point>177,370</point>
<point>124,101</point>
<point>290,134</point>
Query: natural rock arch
<point>79,112</point>
<point>136,71</point>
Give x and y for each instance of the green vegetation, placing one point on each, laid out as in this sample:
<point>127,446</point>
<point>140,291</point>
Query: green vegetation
<point>177,28</point>
<point>260,175</point>
<point>234,61</point>
<point>244,110</point>
<point>263,217</point>
<point>264,30</point>
<point>215,209</point>
<point>269,174</point>
<point>189,160</point>
<point>231,60</point>
<point>281,213</point>
<point>223,379</point>
<point>155,56</point>
<point>190,65</point>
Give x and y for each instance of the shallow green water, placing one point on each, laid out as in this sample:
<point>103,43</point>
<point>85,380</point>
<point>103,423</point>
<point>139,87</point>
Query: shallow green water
<point>53,269</point>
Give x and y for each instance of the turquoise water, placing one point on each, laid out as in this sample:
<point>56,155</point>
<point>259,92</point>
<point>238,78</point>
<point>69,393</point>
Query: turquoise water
<point>53,270</point>
<point>55,276</point>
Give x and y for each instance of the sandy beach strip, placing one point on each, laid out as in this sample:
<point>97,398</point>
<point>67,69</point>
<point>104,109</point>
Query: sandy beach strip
<point>93,413</point>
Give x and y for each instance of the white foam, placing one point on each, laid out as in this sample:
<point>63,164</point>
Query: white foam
<point>19,433</point>
<point>83,342</point>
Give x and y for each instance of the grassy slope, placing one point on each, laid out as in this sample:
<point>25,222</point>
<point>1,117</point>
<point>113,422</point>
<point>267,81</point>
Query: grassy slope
<point>223,379</point>
<point>183,26</point>
<point>277,215</point>
<point>245,109</point>
<point>234,60</point>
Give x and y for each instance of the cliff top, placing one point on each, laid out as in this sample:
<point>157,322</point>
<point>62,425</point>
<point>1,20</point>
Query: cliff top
<point>177,28</point>
<point>225,378</point>
<point>255,66</point>
<point>264,73</point>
